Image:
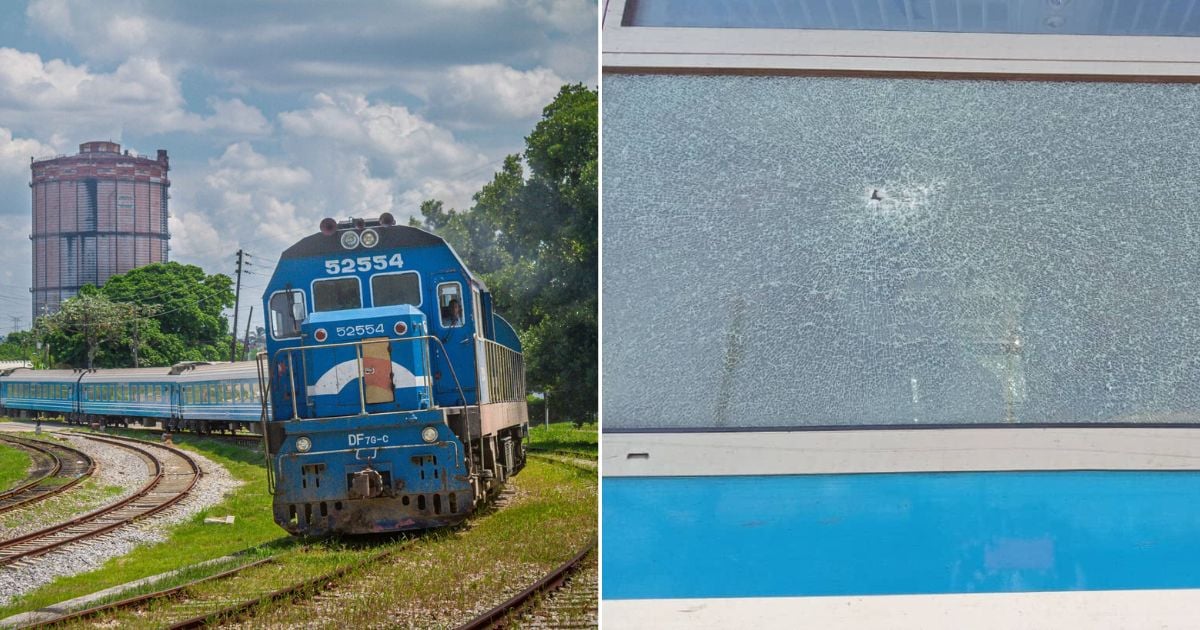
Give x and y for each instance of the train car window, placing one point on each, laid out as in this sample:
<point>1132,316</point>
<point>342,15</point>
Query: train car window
<point>284,324</point>
<point>388,289</point>
<point>336,294</point>
<point>450,311</point>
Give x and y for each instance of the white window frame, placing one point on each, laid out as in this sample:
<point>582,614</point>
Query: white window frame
<point>420,286</point>
<point>313,291</point>
<point>824,52</point>
<point>270,319</point>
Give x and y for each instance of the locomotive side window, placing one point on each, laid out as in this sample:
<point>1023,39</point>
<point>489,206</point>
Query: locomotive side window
<point>388,289</point>
<point>336,294</point>
<point>450,311</point>
<point>284,324</point>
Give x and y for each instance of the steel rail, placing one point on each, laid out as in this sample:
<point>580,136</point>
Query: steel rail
<point>33,491</point>
<point>312,586</point>
<point>496,617</point>
<point>35,479</point>
<point>136,600</point>
<point>107,518</point>
<point>574,461</point>
<point>315,585</point>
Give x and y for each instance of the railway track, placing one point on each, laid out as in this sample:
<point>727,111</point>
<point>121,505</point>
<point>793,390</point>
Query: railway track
<point>194,606</point>
<point>175,473</point>
<point>500,615</point>
<point>58,468</point>
<point>174,592</point>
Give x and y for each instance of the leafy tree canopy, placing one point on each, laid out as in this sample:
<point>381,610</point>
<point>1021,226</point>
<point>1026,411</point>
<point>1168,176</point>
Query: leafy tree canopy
<point>531,235</point>
<point>155,315</point>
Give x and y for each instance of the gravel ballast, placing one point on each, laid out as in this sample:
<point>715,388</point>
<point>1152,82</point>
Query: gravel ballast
<point>115,467</point>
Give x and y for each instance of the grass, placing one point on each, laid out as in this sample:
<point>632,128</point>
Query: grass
<point>445,577</point>
<point>14,466</point>
<point>565,437</point>
<point>552,514</point>
<point>435,578</point>
<point>189,542</point>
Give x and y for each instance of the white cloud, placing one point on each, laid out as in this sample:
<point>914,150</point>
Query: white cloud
<point>15,154</point>
<point>329,46</point>
<point>488,94</point>
<point>412,145</point>
<point>56,97</point>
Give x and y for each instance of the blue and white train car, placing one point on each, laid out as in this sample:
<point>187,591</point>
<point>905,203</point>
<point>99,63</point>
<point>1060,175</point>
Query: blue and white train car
<point>117,396</point>
<point>216,397</point>
<point>398,395</point>
<point>30,391</point>
<point>192,396</point>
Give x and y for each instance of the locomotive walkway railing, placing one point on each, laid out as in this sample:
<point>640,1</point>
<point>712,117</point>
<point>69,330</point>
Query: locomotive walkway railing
<point>506,372</point>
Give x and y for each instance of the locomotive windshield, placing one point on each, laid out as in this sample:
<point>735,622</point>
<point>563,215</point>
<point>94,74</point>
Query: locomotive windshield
<point>337,294</point>
<point>396,288</point>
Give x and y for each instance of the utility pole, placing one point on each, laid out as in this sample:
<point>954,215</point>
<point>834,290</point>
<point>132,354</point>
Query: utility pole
<point>135,342</point>
<point>237,300</point>
<point>246,344</point>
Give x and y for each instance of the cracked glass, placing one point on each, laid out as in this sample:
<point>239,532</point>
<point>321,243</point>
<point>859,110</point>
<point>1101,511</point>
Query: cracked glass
<point>792,251</point>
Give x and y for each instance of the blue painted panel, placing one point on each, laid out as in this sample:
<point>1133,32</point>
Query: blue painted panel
<point>899,534</point>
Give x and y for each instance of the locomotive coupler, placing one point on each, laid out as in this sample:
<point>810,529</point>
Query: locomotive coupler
<point>366,484</point>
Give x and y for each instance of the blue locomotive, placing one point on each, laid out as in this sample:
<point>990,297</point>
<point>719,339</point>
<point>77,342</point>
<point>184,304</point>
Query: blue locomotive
<point>194,396</point>
<point>397,394</point>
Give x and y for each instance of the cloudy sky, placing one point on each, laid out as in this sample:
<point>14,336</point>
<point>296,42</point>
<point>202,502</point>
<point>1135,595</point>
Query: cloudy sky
<point>276,114</point>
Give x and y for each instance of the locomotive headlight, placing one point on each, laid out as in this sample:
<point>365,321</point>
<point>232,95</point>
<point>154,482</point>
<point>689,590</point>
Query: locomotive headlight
<point>429,434</point>
<point>303,444</point>
<point>349,239</point>
<point>369,238</point>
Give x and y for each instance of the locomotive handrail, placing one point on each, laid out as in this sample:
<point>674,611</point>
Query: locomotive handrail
<point>264,389</point>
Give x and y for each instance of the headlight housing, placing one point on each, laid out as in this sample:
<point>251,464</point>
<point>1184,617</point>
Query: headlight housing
<point>429,434</point>
<point>369,238</point>
<point>303,444</point>
<point>349,239</point>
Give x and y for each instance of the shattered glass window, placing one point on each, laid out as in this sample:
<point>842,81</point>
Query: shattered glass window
<point>790,251</point>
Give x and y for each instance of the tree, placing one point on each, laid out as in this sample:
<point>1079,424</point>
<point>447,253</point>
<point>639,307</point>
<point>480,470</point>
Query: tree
<point>532,237</point>
<point>155,315</point>
<point>20,345</point>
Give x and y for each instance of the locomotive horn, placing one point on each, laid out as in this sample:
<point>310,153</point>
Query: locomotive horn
<point>360,224</point>
<point>387,219</point>
<point>328,226</point>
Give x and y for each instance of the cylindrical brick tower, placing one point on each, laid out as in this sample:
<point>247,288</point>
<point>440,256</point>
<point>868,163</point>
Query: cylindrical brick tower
<point>95,214</point>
